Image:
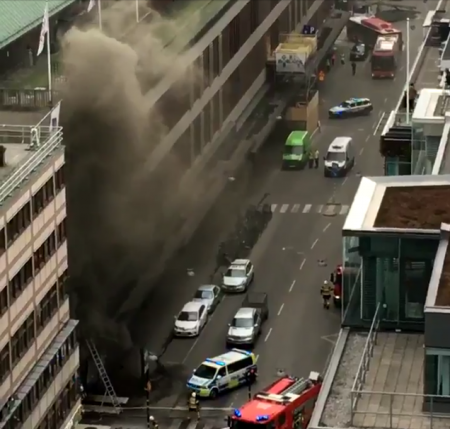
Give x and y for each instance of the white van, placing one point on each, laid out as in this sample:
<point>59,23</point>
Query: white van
<point>340,157</point>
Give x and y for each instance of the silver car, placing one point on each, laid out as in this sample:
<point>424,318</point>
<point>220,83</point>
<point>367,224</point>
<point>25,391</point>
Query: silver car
<point>245,327</point>
<point>238,276</point>
<point>210,295</point>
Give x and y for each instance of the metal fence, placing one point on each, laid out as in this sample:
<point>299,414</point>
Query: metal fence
<point>28,99</point>
<point>398,410</point>
<point>367,354</point>
<point>51,138</point>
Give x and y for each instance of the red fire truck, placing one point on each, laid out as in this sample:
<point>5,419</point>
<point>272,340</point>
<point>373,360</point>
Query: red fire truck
<point>291,397</point>
<point>385,56</point>
<point>367,30</point>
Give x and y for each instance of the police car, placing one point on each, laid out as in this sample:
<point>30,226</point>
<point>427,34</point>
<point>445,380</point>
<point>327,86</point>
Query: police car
<point>351,107</point>
<point>224,372</point>
<point>238,276</point>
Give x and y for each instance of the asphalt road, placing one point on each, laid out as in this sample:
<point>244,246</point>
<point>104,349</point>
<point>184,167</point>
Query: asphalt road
<point>299,334</point>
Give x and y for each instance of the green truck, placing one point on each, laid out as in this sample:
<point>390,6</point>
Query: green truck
<point>296,150</point>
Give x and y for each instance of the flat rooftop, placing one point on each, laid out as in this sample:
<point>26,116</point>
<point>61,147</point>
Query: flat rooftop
<point>394,381</point>
<point>400,203</point>
<point>431,105</point>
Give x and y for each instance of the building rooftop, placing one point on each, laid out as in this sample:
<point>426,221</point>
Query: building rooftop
<point>400,203</point>
<point>27,147</point>
<point>392,381</point>
<point>431,105</point>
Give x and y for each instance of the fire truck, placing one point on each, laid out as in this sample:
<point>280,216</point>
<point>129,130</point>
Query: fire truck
<point>385,56</point>
<point>287,403</point>
<point>367,30</point>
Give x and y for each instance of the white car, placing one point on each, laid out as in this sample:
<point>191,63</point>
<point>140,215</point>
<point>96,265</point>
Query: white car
<point>238,276</point>
<point>191,320</point>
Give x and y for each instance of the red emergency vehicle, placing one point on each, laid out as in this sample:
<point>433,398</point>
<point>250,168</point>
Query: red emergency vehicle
<point>291,397</point>
<point>367,29</point>
<point>385,56</point>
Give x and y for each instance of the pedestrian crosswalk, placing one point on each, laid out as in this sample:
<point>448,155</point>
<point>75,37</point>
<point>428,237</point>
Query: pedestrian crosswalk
<point>168,423</point>
<point>324,209</point>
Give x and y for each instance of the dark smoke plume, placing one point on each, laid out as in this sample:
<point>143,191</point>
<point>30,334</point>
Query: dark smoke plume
<point>122,216</point>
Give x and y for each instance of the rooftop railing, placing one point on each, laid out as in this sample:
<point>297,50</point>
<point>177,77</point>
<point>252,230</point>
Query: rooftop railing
<point>42,141</point>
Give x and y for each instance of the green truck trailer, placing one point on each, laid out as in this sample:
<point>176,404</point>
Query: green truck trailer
<point>296,150</point>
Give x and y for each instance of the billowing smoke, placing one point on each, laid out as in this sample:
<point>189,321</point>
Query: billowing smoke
<point>121,216</point>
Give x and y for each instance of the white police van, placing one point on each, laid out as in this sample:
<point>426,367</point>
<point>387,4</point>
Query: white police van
<point>340,157</point>
<point>222,373</point>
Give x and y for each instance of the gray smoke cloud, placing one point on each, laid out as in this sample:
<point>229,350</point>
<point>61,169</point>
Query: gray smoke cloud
<point>121,216</point>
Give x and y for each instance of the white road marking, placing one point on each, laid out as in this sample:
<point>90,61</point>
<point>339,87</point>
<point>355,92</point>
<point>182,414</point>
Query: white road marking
<point>268,335</point>
<point>344,210</point>
<point>302,264</point>
<point>314,244</point>
<point>190,350</point>
<point>293,284</point>
<point>307,208</point>
<point>343,182</point>
<point>326,227</point>
<point>379,123</point>
<point>281,309</point>
<point>361,151</point>
<point>295,208</point>
<point>319,208</point>
<point>273,207</point>
<point>367,138</point>
<point>385,99</point>
<point>284,208</point>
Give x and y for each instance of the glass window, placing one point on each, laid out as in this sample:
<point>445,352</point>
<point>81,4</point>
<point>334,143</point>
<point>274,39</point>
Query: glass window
<point>204,294</point>
<point>205,371</point>
<point>293,150</point>
<point>335,156</point>
<point>437,372</point>
<point>235,272</point>
<point>188,316</point>
<point>242,322</point>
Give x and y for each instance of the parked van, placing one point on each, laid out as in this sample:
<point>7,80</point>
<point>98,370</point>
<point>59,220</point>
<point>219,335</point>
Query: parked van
<point>340,157</point>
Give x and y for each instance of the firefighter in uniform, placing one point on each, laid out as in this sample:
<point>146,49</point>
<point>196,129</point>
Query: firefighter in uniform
<point>326,290</point>
<point>153,423</point>
<point>193,406</point>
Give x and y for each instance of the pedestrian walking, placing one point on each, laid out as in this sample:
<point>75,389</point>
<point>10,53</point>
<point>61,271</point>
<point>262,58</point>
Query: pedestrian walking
<point>353,68</point>
<point>328,65</point>
<point>333,58</point>
<point>319,126</point>
<point>342,59</point>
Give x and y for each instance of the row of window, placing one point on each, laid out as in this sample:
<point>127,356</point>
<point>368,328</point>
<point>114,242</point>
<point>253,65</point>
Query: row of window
<point>23,218</point>
<point>179,98</point>
<point>32,267</point>
<point>33,325</point>
<point>62,405</point>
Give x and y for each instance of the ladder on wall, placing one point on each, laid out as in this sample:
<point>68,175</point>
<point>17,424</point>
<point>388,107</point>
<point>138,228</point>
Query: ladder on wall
<point>109,389</point>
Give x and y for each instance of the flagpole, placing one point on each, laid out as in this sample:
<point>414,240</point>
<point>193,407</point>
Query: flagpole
<point>49,59</point>
<point>137,10</point>
<point>99,14</point>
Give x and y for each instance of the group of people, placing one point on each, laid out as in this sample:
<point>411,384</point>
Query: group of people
<point>329,287</point>
<point>313,160</point>
<point>331,61</point>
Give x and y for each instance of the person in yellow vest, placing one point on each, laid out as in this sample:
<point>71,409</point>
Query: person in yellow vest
<point>321,76</point>
<point>316,159</point>
<point>193,406</point>
<point>326,290</point>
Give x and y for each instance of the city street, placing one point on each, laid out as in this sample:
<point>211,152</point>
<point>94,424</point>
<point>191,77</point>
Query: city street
<point>309,212</point>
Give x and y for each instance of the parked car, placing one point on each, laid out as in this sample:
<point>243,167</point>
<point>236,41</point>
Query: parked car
<point>246,326</point>
<point>191,320</point>
<point>238,276</point>
<point>210,295</point>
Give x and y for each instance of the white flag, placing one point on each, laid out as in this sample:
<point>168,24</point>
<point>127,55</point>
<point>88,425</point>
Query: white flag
<point>91,5</point>
<point>54,117</point>
<point>44,31</point>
